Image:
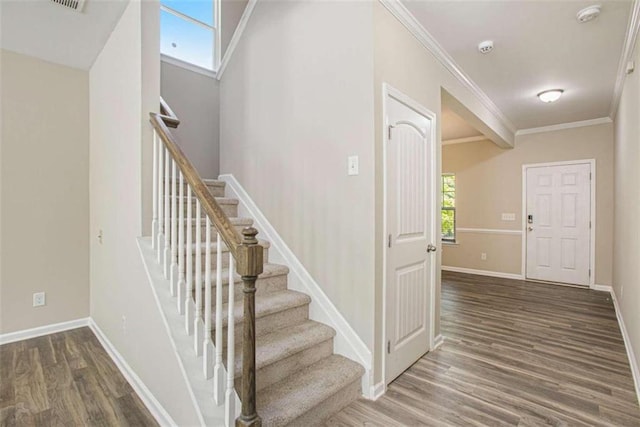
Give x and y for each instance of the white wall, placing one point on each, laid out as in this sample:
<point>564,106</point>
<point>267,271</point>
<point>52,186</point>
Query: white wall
<point>44,192</point>
<point>626,247</point>
<point>295,101</point>
<point>122,303</point>
<point>195,98</point>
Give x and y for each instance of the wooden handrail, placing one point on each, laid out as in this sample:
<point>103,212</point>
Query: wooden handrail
<point>167,114</point>
<point>246,250</point>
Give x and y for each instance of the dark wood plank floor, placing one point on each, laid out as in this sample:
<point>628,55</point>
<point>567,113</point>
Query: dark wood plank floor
<point>515,353</point>
<point>65,379</point>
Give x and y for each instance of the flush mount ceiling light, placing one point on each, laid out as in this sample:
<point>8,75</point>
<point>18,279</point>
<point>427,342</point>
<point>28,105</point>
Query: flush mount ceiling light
<point>588,13</point>
<point>550,95</point>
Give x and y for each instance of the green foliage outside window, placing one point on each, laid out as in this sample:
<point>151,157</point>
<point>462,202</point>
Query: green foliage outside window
<point>449,207</point>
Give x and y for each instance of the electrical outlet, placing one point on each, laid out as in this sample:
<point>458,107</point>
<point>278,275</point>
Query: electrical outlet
<point>352,165</point>
<point>39,299</point>
<point>483,256</point>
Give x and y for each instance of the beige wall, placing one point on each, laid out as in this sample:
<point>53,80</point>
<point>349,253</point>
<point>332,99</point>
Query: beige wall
<point>123,85</point>
<point>296,101</point>
<point>232,11</point>
<point>44,192</point>
<point>489,183</point>
<point>195,98</point>
<point>626,251</point>
<point>401,61</point>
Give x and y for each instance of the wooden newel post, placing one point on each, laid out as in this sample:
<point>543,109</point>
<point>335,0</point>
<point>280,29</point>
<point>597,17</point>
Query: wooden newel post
<point>249,266</point>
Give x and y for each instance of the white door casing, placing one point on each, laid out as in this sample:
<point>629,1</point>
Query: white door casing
<point>558,223</point>
<point>409,268</point>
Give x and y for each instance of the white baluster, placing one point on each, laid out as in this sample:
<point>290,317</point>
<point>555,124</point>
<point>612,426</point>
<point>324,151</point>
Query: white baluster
<point>206,341</point>
<point>181,249</point>
<point>160,238</point>
<point>230,400</point>
<point>154,222</point>
<point>167,216</point>
<point>174,230</point>
<point>218,370</point>
<point>198,323</point>
<point>188,305</point>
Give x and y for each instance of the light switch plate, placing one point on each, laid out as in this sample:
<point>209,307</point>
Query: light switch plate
<point>352,166</point>
<point>508,217</point>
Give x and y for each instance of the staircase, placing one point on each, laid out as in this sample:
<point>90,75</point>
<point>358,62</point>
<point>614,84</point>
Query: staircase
<point>255,337</point>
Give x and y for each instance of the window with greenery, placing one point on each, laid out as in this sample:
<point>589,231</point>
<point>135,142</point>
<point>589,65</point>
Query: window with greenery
<point>448,207</point>
<point>189,31</point>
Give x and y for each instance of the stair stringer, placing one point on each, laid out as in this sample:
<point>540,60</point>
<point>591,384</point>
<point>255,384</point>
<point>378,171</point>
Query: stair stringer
<point>346,341</point>
<point>201,389</point>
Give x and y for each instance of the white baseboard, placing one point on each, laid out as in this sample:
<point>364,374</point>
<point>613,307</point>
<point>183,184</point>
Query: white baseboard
<point>43,330</point>
<point>437,342</point>
<point>483,272</point>
<point>149,400</point>
<point>377,391</point>
<point>635,371</point>
<point>346,342</point>
<point>602,288</point>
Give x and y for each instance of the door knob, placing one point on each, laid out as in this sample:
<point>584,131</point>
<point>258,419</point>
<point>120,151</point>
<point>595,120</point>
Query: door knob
<point>431,248</point>
<point>530,228</point>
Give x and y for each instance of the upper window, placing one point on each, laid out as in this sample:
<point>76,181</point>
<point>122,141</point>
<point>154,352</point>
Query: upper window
<point>189,31</point>
<point>448,207</point>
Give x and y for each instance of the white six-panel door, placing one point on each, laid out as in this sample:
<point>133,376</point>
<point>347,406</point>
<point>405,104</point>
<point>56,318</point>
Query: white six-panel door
<point>408,264</point>
<point>558,224</point>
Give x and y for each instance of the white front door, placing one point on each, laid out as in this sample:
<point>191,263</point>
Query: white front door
<point>408,265</point>
<point>558,221</point>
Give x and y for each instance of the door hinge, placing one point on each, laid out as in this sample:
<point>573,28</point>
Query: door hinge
<point>589,272</point>
<point>589,224</point>
<point>389,241</point>
<point>388,347</point>
<point>590,176</point>
<point>389,129</point>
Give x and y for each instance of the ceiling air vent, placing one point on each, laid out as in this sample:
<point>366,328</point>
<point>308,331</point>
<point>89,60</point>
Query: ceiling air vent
<point>71,4</point>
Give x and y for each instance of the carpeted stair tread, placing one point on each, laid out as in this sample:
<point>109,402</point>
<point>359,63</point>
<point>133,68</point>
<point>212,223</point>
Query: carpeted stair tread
<point>270,303</point>
<point>285,342</point>
<point>289,399</point>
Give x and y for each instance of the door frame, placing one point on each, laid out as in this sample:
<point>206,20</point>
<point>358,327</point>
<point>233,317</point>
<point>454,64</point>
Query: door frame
<point>592,231</point>
<point>389,91</point>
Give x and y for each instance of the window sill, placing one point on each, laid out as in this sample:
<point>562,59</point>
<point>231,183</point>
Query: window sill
<point>187,66</point>
<point>449,243</point>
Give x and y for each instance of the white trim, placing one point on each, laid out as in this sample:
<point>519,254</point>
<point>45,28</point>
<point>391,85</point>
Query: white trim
<point>187,66</point>
<point>592,234</point>
<point>438,341</point>
<point>190,19</point>
<point>390,92</point>
<point>465,140</point>
<point>26,334</point>
<point>159,413</point>
<point>483,272</point>
<point>237,35</point>
<point>633,364</point>
<point>562,126</point>
<point>627,53</point>
<point>431,44</point>
<point>346,342</point>
<point>601,288</point>
<point>488,231</point>
<point>377,390</point>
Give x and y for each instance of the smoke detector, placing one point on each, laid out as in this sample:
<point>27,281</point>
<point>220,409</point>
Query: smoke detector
<point>485,46</point>
<point>588,13</point>
<point>75,5</point>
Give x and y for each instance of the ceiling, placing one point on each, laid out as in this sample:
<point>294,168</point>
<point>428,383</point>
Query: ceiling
<point>48,31</point>
<point>539,45</point>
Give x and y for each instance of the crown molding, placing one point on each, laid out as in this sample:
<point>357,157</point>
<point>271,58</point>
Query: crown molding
<point>237,35</point>
<point>627,53</point>
<point>562,126</point>
<point>405,17</point>
<point>464,140</point>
